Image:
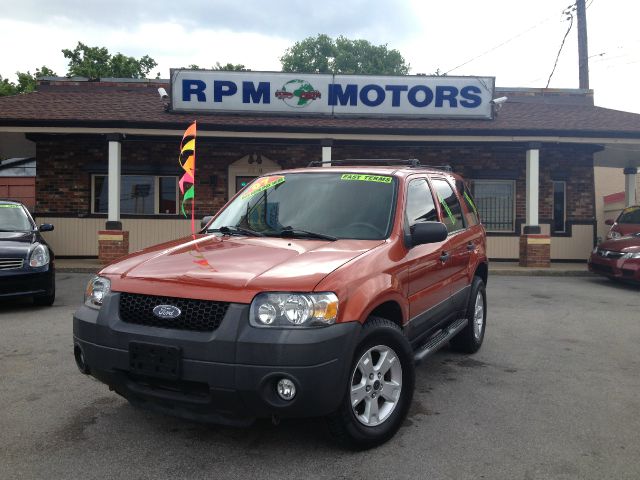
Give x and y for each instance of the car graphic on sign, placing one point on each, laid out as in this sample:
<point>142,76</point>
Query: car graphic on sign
<point>311,95</point>
<point>282,94</point>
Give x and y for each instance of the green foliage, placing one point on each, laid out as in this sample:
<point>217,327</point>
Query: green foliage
<point>7,87</point>
<point>231,67</point>
<point>228,67</point>
<point>97,62</point>
<point>322,54</point>
<point>26,81</point>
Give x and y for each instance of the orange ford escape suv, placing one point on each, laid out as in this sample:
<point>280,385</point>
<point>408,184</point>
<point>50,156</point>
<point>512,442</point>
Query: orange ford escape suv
<point>313,292</point>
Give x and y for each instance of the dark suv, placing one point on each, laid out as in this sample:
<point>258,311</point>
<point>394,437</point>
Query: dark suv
<point>313,292</point>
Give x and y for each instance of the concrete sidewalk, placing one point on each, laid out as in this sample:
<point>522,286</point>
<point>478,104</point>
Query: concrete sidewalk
<point>91,265</point>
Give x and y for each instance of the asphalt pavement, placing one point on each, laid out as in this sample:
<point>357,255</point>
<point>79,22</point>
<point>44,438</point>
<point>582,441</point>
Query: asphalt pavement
<point>554,393</point>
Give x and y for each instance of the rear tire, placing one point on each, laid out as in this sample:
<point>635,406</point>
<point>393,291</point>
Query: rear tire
<point>379,388</point>
<point>470,338</point>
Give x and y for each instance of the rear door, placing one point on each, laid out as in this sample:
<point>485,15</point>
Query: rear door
<point>459,245</point>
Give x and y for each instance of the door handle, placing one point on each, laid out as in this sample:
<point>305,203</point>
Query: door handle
<point>471,246</point>
<point>444,257</point>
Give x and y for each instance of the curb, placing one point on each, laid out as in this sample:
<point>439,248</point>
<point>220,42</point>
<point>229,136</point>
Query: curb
<point>541,273</point>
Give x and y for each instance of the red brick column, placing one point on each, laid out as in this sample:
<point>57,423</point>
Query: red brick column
<point>112,244</point>
<point>535,250</point>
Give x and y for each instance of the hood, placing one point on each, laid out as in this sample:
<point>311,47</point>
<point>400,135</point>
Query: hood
<point>628,243</point>
<point>232,269</point>
<point>15,243</point>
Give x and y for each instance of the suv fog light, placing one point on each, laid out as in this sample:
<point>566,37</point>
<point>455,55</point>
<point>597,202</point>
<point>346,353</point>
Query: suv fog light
<point>286,389</point>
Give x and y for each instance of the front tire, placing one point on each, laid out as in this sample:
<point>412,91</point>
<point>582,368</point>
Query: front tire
<point>470,338</point>
<point>379,387</point>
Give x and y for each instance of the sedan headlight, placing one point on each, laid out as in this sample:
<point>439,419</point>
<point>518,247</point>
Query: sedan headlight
<point>613,234</point>
<point>39,256</point>
<point>629,255</point>
<point>96,290</point>
<point>293,309</point>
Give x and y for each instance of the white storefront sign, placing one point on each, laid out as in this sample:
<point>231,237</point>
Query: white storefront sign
<point>222,91</point>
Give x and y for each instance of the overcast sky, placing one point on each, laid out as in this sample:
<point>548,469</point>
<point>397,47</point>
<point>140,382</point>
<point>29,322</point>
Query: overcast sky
<point>514,40</point>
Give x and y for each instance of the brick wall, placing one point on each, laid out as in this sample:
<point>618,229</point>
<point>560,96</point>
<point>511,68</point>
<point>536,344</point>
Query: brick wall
<point>65,164</point>
<point>571,164</point>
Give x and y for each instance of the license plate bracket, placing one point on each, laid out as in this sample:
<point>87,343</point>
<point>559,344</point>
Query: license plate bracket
<point>160,361</point>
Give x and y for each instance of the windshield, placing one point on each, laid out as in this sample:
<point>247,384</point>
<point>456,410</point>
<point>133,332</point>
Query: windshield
<point>339,205</point>
<point>630,215</point>
<point>13,218</point>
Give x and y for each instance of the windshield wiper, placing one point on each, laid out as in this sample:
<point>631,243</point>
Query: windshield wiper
<point>230,230</point>
<point>291,232</point>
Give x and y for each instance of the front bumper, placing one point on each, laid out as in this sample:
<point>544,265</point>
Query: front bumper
<point>227,376</point>
<point>26,281</point>
<point>622,269</point>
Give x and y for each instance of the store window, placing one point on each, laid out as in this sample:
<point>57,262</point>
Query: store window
<point>559,207</point>
<point>451,209</point>
<point>139,194</point>
<point>495,201</point>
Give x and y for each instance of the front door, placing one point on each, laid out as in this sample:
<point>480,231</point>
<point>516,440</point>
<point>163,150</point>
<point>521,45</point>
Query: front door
<point>428,284</point>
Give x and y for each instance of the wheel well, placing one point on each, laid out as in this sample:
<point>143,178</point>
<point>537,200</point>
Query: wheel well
<point>483,272</point>
<point>389,310</point>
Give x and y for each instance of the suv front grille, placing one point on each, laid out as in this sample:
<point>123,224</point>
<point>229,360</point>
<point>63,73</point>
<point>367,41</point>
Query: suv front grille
<point>11,263</point>
<point>198,315</point>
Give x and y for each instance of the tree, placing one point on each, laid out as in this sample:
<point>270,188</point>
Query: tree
<point>322,54</point>
<point>26,81</point>
<point>231,67</point>
<point>97,62</point>
<point>228,67</point>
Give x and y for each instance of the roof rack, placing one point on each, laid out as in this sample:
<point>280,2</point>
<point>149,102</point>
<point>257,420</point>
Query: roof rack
<point>412,162</point>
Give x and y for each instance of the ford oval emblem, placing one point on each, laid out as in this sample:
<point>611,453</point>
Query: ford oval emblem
<point>166,312</point>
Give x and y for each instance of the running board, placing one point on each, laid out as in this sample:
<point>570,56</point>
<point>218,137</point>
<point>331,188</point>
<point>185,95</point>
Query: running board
<point>438,341</point>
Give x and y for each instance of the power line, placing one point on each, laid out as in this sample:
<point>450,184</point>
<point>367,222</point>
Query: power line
<point>499,45</point>
<point>569,12</point>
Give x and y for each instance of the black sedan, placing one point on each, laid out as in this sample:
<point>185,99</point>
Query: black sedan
<point>26,261</point>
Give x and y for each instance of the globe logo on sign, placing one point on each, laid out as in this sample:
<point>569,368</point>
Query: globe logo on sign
<point>297,93</point>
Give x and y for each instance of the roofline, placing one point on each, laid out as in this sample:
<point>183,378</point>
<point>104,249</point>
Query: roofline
<point>267,131</point>
<point>404,135</point>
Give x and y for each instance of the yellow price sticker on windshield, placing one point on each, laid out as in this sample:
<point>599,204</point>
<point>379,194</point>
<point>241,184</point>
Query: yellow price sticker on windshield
<point>262,184</point>
<point>366,178</point>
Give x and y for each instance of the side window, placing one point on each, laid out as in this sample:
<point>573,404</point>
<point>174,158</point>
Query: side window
<point>471,216</point>
<point>451,208</point>
<point>420,205</point>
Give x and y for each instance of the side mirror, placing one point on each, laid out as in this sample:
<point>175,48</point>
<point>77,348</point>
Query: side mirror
<point>45,227</point>
<point>428,232</point>
<point>205,221</point>
<point>608,221</point>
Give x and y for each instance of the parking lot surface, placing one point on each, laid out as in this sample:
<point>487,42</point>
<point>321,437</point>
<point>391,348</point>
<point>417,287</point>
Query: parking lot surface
<point>554,393</point>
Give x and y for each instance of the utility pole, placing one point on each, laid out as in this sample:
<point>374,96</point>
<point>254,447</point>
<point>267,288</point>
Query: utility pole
<point>583,53</point>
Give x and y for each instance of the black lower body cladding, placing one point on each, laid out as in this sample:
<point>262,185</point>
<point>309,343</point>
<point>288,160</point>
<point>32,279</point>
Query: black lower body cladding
<point>227,376</point>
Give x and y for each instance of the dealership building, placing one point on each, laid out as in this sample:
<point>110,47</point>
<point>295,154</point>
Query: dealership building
<point>107,151</point>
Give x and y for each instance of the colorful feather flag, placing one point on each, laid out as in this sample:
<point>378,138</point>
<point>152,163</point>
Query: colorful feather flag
<point>187,161</point>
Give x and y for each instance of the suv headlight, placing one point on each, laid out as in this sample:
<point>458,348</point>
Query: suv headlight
<point>96,290</point>
<point>629,255</point>
<point>39,256</point>
<point>613,234</point>
<point>290,309</point>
